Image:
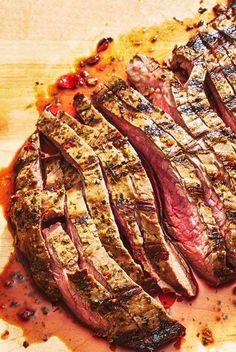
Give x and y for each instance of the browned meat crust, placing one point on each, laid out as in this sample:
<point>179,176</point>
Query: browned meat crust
<point>156,141</point>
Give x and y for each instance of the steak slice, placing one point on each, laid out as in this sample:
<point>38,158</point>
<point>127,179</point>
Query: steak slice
<point>53,196</point>
<point>172,167</point>
<point>27,167</point>
<point>221,51</point>
<point>26,216</point>
<point>163,256</point>
<point>225,23</point>
<point>148,73</point>
<point>222,91</point>
<point>135,301</point>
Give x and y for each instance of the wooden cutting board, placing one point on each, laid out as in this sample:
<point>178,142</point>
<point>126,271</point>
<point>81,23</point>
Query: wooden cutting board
<point>38,42</point>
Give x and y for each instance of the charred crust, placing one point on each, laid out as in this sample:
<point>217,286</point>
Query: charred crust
<point>231,215</point>
<point>124,294</point>
<point>154,130</point>
<point>157,253</point>
<point>81,102</point>
<point>145,205</point>
<point>81,220</point>
<point>224,274</point>
<point>230,31</point>
<point>196,44</point>
<point>144,107</point>
<point>116,85</point>
<point>218,240</point>
<point>167,331</point>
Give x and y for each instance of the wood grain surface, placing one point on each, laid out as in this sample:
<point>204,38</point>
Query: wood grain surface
<point>39,40</point>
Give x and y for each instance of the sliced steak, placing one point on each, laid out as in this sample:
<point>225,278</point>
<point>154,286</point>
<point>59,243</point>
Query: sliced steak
<point>134,100</point>
<point>163,256</point>
<point>81,156</point>
<point>91,302</point>
<point>145,311</point>
<point>190,100</point>
<point>121,193</point>
<point>220,88</point>
<point>53,196</point>
<point>181,188</point>
<point>26,216</point>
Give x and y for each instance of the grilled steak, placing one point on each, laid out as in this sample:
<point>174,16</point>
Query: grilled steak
<point>219,61</point>
<point>172,167</point>
<point>121,194</point>
<point>164,258</point>
<point>81,156</point>
<point>145,311</point>
<point>91,302</point>
<point>75,265</point>
<point>190,108</point>
<point>103,212</point>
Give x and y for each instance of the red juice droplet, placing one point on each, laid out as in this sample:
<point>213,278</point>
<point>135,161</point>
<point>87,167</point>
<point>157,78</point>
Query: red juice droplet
<point>167,299</point>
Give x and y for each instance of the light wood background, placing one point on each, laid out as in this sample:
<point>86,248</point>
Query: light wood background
<point>39,40</point>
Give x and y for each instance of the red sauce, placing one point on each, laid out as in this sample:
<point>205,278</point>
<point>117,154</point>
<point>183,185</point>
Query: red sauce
<point>18,292</point>
<point>178,344</point>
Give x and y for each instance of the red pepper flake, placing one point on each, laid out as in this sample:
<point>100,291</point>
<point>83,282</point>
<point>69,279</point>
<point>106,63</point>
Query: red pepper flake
<point>53,109</point>
<point>81,81</point>
<point>29,146</point>
<point>118,134</point>
<point>101,68</point>
<point>68,81</point>
<point>90,61</point>
<point>169,143</point>
<point>219,9</point>
<point>26,314</point>
<point>167,299</point>
<point>5,335</point>
<point>107,274</point>
<point>207,336</point>
<point>69,145</point>
<point>103,44</point>
<point>83,74</point>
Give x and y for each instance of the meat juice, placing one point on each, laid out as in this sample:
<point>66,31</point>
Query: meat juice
<point>209,318</point>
